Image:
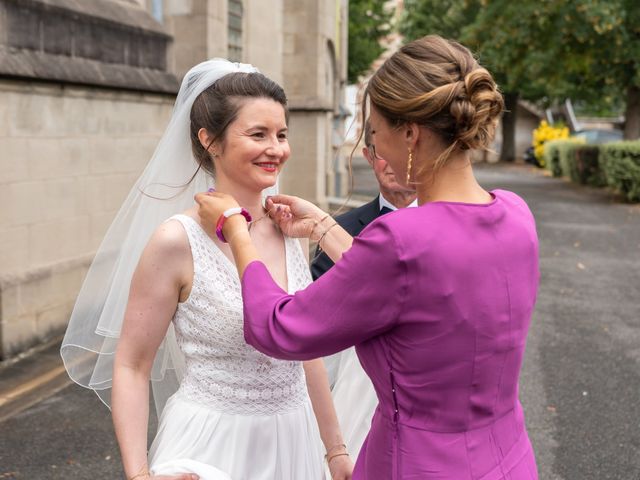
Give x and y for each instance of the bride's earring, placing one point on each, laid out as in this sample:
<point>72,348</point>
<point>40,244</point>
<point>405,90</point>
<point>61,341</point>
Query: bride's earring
<point>409,166</point>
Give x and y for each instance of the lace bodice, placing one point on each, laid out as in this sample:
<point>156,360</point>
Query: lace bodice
<point>222,371</point>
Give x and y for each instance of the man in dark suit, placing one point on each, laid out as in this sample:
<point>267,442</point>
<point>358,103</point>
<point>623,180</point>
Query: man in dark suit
<point>392,196</point>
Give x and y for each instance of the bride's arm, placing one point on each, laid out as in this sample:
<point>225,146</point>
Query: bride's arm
<point>154,295</point>
<point>341,466</point>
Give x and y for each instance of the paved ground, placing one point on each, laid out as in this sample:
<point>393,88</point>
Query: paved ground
<point>580,383</point>
<point>581,379</point>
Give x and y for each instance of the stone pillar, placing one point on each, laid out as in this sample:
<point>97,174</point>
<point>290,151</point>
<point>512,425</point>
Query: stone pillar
<point>311,31</point>
<point>263,38</point>
<point>338,182</point>
<point>199,30</point>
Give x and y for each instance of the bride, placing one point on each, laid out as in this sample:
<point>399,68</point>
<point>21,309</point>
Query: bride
<point>227,411</point>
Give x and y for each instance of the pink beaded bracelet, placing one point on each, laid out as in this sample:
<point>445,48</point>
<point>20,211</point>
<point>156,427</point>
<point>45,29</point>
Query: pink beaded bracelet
<point>226,214</point>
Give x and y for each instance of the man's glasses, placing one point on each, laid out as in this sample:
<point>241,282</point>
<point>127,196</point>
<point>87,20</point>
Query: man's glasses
<point>372,149</point>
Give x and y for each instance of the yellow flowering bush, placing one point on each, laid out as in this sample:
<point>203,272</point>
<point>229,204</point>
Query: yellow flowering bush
<point>545,133</point>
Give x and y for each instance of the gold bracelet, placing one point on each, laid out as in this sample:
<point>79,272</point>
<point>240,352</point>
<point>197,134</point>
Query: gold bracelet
<point>336,455</point>
<point>333,448</point>
<point>325,232</point>
<point>316,223</point>
<point>143,472</point>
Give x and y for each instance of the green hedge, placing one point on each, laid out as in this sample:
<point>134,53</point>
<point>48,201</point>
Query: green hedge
<point>614,164</point>
<point>621,164</point>
<point>558,155</point>
<point>552,157</point>
<point>584,166</point>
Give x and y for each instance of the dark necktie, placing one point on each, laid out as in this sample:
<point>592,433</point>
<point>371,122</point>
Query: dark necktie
<point>384,210</point>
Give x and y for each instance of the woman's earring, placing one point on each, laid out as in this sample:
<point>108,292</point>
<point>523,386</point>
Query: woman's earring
<point>409,166</point>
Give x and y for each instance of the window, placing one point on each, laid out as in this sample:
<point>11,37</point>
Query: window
<point>235,30</point>
<point>156,10</point>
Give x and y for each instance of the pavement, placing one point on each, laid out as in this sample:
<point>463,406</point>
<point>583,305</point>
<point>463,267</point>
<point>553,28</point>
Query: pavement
<point>52,428</point>
<point>580,384</point>
<point>581,379</point>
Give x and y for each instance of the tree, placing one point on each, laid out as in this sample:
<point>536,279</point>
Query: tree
<point>368,24</point>
<point>447,18</point>
<point>510,39</point>
<point>507,36</point>
<point>545,51</point>
<point>597,47</point>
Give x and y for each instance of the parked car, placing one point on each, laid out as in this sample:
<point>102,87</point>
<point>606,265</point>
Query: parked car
<point>599,135</point>
<point>530,157</point>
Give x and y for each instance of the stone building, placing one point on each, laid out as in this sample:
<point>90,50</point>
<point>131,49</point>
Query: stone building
<point>86,89</point>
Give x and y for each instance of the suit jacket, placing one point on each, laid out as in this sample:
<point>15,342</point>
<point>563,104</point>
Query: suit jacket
<point>353,222</point>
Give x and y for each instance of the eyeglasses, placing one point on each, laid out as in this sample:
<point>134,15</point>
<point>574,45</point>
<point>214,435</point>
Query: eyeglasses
<point>374,154</point>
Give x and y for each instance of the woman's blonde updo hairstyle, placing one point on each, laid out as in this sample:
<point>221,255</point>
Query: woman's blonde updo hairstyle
<point>438,84</point>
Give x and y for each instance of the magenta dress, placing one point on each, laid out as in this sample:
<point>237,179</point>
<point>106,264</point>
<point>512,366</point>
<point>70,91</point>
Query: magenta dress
<point>438,301</point>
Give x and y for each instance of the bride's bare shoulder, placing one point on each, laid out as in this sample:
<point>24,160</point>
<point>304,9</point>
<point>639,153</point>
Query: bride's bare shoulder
<point>170,238</point>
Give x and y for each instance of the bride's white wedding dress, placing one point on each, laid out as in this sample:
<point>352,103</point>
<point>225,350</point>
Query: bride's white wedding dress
<point>238,414</point>
<point>354,398</point>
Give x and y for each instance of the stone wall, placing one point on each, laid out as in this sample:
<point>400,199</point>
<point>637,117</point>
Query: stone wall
<point>199,32</point>
<point>84,97</point>
<point>263,39</point>
<point>69,155</point>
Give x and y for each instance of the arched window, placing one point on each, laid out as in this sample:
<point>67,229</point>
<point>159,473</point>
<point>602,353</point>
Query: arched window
<point>235,30</point>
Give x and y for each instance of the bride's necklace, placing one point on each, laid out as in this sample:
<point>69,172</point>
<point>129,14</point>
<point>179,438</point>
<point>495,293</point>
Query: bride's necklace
<point>253,222</point>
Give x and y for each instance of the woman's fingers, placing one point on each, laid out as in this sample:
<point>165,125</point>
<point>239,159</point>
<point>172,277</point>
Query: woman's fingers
<point>272,208</point>
<point>276,210</point>
<point>280,213</point>
<point>283,199</point>
<point>199,198</point>
<point>204,198</point>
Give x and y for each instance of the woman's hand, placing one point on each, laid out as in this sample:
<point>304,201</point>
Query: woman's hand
<point>296,217</point>
<point>341,468</point>
<point>211,206</point>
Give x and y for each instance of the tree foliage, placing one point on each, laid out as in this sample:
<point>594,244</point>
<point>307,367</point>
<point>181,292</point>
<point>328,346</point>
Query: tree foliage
<point>507,36</point>
<point>368,24</point>
<point>598,50</point>
<point>546,50</point>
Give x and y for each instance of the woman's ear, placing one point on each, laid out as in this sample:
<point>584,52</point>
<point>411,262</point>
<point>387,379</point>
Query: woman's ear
<point>411,134</point>
<point>207,141</point>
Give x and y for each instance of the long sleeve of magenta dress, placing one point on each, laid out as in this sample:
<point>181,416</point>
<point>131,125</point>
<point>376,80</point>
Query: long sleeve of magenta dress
<point>437,300</point>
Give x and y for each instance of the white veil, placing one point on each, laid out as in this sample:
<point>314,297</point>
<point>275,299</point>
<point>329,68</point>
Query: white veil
<point>162,190</point>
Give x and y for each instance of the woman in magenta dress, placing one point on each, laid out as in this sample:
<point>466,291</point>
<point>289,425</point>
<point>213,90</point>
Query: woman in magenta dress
<point>437,299</point>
